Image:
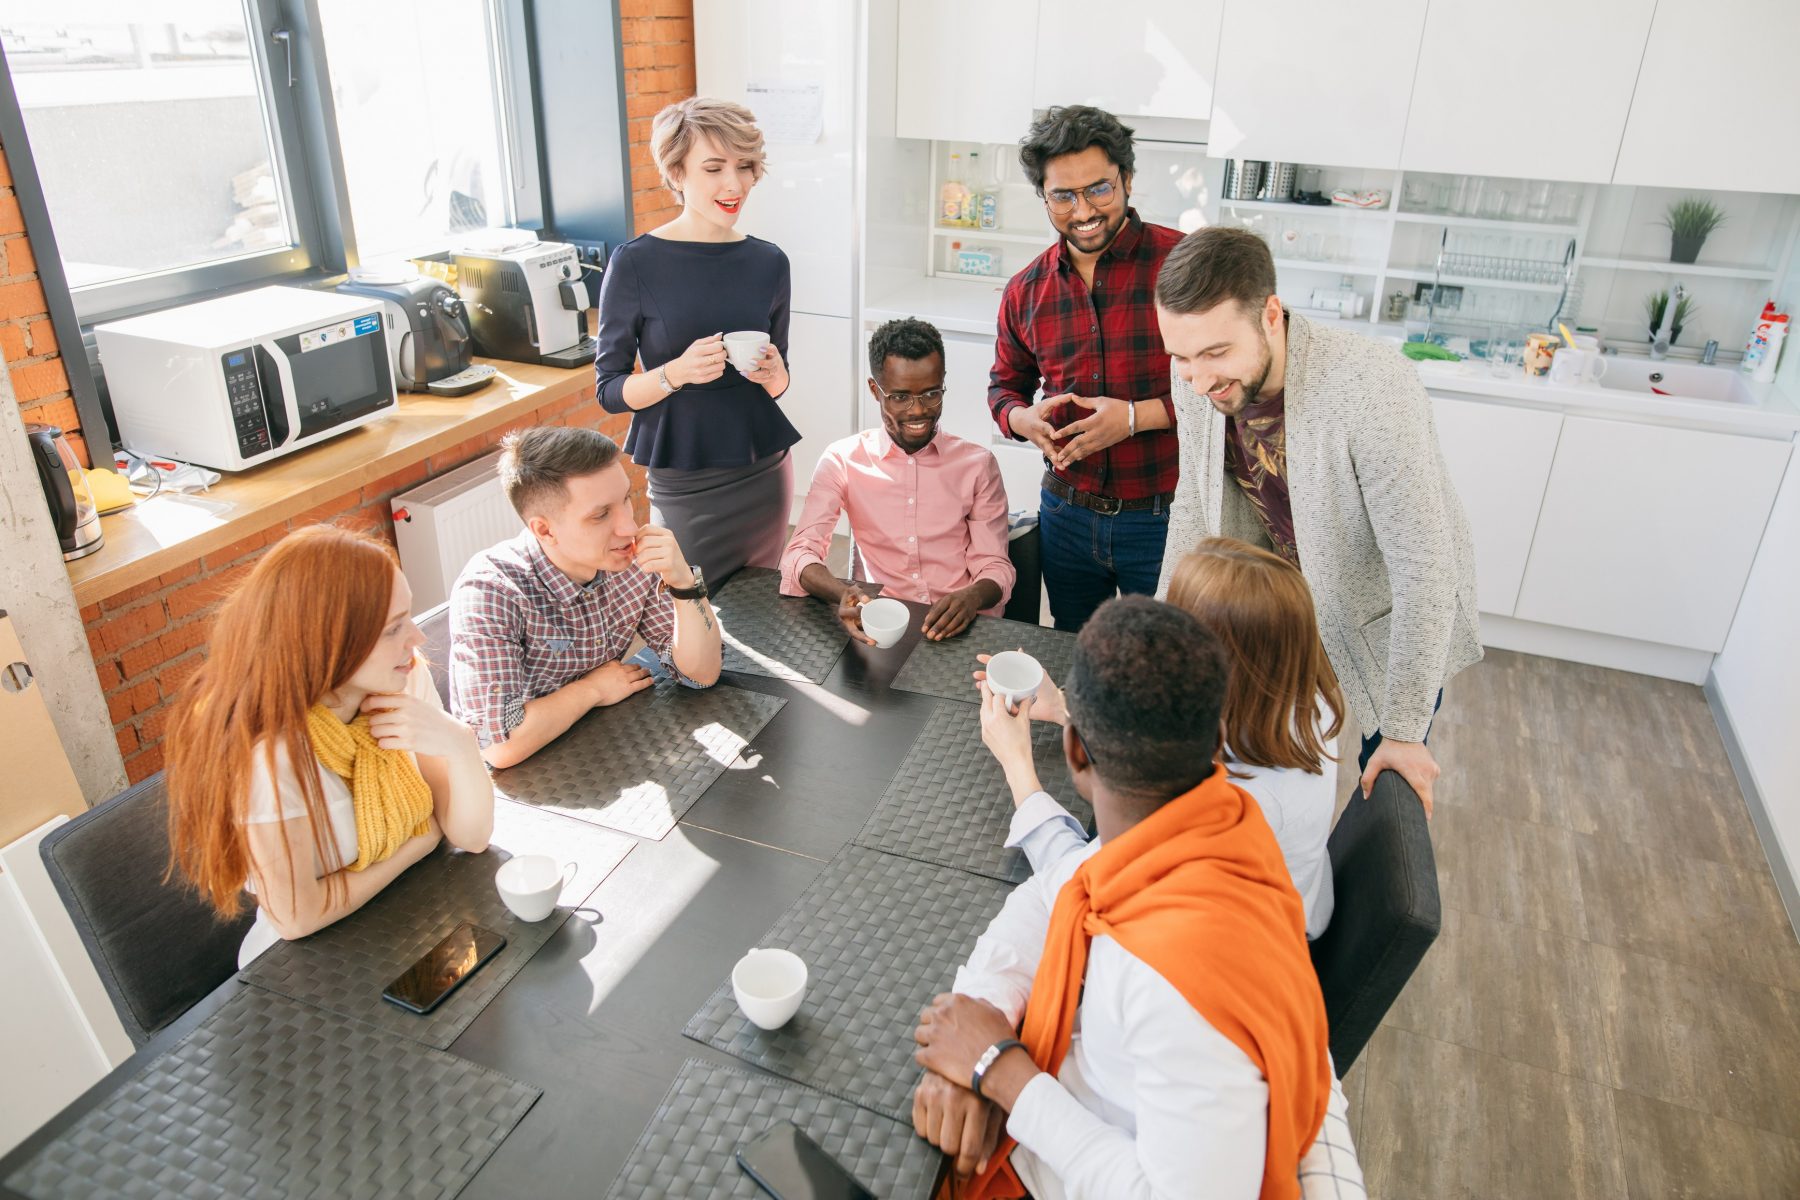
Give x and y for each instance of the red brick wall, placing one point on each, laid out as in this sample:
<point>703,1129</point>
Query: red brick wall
<point>658,40</point>
<point>149,639</point>
<point>27,342</point>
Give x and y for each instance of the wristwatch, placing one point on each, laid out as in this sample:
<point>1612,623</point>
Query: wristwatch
<point>662,377</point>
<point>697,592</point>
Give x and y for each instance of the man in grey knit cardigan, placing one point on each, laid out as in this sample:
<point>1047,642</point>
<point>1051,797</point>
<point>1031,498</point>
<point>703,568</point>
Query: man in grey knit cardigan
<point>1319,443</point>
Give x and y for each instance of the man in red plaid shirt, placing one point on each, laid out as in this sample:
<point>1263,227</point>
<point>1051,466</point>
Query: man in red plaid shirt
<point>1080,323</point>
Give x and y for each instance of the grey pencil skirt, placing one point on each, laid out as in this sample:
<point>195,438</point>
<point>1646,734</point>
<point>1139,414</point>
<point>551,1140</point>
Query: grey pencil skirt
<point>726,517</point>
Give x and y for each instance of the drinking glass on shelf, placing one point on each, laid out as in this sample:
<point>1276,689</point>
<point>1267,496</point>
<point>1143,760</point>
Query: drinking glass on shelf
<point>1441,196</point>
<point>1495,200</point>
<point>1467,201</point>
<point>1537,201</point>
<point>1314,247</point>
<point>1416,196</point>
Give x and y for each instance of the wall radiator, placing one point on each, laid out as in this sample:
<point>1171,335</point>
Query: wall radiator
<point>441,523</point>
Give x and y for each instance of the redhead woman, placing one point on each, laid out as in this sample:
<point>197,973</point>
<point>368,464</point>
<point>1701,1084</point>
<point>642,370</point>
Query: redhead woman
<point>311,760</point>
<point>1282,714</point>
<point>712,438</point>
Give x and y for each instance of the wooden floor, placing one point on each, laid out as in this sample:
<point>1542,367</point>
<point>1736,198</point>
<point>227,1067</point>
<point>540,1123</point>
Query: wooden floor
<point>1613,1007</point>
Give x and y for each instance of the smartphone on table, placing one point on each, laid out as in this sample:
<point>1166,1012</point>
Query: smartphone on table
<point>791,1166</point>
<point>445,966</point>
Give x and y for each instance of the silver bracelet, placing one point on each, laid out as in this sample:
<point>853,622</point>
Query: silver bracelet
<point>1131,418</point>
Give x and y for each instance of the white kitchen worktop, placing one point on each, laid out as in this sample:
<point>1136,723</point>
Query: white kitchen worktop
<point>1771,413</point>
<point>970,306</point>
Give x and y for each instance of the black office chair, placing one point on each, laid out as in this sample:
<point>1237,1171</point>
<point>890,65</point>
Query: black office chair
<point>434,623</point>
<point>158,946</point>
<point>1022,546</point>
<point>1385,915</point>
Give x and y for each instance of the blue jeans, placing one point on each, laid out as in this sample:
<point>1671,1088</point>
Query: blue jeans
<point>1088,558</point>
<point>1374,739</point>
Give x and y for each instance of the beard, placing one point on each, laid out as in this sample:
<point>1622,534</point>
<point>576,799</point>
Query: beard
<point>1232,404</point>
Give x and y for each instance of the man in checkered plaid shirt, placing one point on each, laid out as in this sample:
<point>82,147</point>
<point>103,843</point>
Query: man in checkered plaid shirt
<point>541,624</point>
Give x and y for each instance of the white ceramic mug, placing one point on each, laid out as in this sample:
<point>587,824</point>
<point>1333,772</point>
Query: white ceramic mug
<point>769,985</point>
<point>1572,365</point>
<point>1014,676</point>
<point>885,620</point>
<point>743,347</point>
<point>530,884</point>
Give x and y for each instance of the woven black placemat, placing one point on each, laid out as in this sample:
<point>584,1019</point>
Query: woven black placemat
<point>881,935</point>
<point>344,967</point>
<point>946,668</point>
<point>689,1149</point>
<point>949,803</point>
<point>271,1099</point>
<point>636,766</point>
<point>783,637</point>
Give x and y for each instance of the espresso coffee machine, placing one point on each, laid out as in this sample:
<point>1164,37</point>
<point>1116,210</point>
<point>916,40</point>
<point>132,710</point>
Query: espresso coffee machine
<point>526,301</point>
<point>429,342</point>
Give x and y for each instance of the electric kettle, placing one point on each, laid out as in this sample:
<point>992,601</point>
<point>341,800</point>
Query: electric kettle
<point>72,506</point>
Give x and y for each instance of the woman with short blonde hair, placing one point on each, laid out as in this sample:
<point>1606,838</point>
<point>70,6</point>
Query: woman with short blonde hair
<point>708,431</point>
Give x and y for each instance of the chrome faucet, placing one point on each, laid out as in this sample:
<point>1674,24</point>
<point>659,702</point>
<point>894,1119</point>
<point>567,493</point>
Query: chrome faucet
<point>1711,353</point>
<point>1663,334</point>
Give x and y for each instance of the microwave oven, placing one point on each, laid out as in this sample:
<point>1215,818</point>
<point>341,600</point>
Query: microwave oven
<point>240,380</point>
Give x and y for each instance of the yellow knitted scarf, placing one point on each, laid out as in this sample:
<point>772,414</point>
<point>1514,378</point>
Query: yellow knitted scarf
<point>392,800</point>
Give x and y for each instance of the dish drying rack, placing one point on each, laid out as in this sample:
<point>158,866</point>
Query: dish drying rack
<point>1464,266</point>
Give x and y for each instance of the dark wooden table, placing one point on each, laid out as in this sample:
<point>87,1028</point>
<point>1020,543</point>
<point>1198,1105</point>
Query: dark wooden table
<point>595,1018</point>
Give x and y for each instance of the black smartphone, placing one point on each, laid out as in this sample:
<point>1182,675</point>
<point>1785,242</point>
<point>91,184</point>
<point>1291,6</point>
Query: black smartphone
<point>444,967</point>
<point>791,1166</point>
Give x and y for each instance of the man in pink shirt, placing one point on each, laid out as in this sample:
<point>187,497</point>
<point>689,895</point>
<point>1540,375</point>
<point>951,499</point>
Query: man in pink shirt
<point>927,509</point>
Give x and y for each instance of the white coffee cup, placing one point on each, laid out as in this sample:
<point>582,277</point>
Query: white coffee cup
<point>530,884</point>
<point>885,621</point>
<point>1014,676</point>
<point>1574,365</point>
<point>769,985</point>
<point>743,347</point>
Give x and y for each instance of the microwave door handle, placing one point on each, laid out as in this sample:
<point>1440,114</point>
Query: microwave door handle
<point>281,409</point>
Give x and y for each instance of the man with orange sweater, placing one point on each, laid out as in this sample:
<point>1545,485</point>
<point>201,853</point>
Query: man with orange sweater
<point>1142,1017</point>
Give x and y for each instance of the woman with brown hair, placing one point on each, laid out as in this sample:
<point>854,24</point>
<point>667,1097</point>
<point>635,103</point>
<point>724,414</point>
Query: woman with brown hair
<point>311,761</point>
<point>1282,714</point>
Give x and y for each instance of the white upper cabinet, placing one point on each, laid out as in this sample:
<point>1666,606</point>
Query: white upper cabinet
<point>1316,81</point>
<point>964,71</point>
<point>1130,57</point>
<point>1530,89</point>
<point>1716,97</point>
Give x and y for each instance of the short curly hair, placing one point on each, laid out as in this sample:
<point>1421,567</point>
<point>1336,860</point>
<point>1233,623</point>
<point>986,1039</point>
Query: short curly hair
<point>1070,129</point>
<point>1145,691</point>
<point>678,126</point>
<point>904,337</point>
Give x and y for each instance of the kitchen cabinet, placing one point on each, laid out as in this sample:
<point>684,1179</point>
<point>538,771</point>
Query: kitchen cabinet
<point>820,397</point>
<point>962,77</point>
<point>1715,99</point>
<point>1648,532</point>
<point>1141,58</point>
<point>1533,89</point>
<point>1315,81</point>
<point>1499,462</point>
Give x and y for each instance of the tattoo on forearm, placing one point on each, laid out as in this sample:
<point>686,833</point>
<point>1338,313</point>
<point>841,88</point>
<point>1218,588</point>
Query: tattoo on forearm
<point>705,614</point>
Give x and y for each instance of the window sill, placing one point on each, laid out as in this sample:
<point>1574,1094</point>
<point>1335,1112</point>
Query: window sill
<point>153,537</point>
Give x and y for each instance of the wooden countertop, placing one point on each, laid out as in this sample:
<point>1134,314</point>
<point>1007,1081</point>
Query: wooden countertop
<point>158,535</point>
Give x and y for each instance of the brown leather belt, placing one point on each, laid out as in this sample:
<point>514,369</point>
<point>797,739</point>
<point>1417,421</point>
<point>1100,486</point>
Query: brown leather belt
<point>1106,506</point>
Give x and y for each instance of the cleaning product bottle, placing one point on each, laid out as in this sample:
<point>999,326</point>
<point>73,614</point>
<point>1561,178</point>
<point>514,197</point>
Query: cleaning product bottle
<point>1757,346</point>
<point>987,196</point>
<point>953,197</point>
<point>1771,350</point>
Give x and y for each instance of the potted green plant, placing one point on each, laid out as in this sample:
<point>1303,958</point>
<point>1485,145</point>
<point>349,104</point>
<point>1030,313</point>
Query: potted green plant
<point>1657,302</point>
<point>1690,219</point>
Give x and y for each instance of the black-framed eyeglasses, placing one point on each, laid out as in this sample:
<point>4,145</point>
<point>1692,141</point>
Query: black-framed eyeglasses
<point>931,399</point>
<point>1061,201</point>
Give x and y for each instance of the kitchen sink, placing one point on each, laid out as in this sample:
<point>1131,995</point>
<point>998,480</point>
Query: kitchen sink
<point>1687,381</point>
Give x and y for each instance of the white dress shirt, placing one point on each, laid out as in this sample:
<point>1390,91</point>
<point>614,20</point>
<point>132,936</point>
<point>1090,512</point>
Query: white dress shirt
<point>1297,805</point>
<point>1151,1100</point>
